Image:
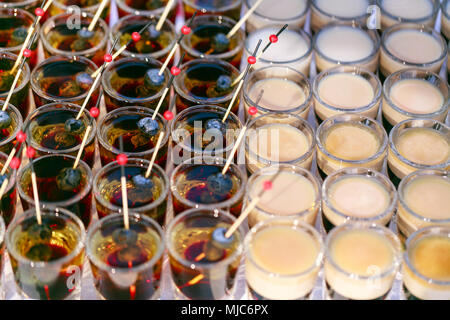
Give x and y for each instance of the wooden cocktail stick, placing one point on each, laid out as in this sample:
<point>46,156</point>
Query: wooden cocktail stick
<point>83,143</point>
<point>243,19</point>
<point>123,185</point>
<point>39,14</point>
<point>184,31</point>
<point>97,14</point>
<point>35,190</point>
<point>272,39</point>
<point>155,152</point>
<point>164,15</point>
<point>239,139</point>
<point>174,72</point>
<point>120,50</point>
<point>241,82</point>
<point>267,185</point>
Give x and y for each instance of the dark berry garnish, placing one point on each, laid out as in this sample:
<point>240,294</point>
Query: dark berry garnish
<point>148,126</point>
<point>220,184</point>
<point>216,124</point>
<point>2,178</point>
<point>19,35</point>
<point>40,231</point>
<point>142,182</point>
<point>125,237</point>
<point>153,80</point>
<point>84,80</point>
<point>85,33</point>
<point>153,34</point>
<point>68,179</point>
<point>223,83</point>
<point>5,120</point>
<point>220,43</point>
<point>73,125</point>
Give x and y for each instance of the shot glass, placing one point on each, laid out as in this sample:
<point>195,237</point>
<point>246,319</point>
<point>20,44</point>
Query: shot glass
<point>194,132</point>
<point>445,22</point>
<point>9,197</point>
<point>126,83</point>
<point>199,183</point>
<point>145,197</point>
<point>145,8</point>
<point>77,7</point>
<point>198,83</point>
<point>279,138</point>
<point>414,93</point>
<point>64,79</point>
<point>425,266</point>
<point>422,12</point>
<point>124,122</point>
<point>228,8</point>
<point>205,42</point>
<point>2,250</point>
<point>291,12</point>
<point>195,273</point>
<point>126,263</point>
<point>47,133</point>
<point>417,144</point>
<point>285,90</point>
<point>14,24</point>
<point>409,45</point>
<point>295,193</point>
<point>293,49</point>
<point>28,5</point>
<point>9,133</point>
<point>20,96</point>
<point>423,201</point>
<point>350,140</point>
<point>282,259</point>
<point>60,37</point>
<point>349,12</point>
<point>346,89</point>
<point>357,195</point>
<point>47,258</point>
<point>361,261</point>
<point>58,187</point>
<point>149,46</point>
<point>340,44</point>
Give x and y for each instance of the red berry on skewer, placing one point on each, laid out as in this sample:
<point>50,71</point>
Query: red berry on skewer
<point>267,185</point>
<point>27,53</point>
<point>107,57</point>
<point>39,12</point>
<point>15,163</point>
<point>135,36</point>
<point>175,70</point>
<point>251,60</point>
<point>21,136</point>
<point>252,111</point>
<point>185,30</point>
<point>273,38</point>
<point>94,112</point>
<point>122,159</point>
<point>168,115</point>
<point>31,152</point>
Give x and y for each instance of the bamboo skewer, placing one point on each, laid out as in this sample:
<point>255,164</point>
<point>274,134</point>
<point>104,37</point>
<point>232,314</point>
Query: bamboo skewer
<point>241,83</point>
<point>97,15</point>
<point>155,152</point>
<point>177,44</point>
<point>243,19</point>
<point>164,15</point>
